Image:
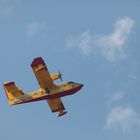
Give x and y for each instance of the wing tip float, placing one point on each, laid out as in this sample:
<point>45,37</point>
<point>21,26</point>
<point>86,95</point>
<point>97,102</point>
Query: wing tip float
<point>61,113</point>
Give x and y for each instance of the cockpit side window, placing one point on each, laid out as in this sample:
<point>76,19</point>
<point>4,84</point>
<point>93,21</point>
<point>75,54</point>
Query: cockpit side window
<point>70,82</point>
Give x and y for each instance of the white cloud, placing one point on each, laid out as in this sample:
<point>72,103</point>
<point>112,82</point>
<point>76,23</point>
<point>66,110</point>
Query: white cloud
<point>34,28</point>
<point>123,118</point>
<point>111,46</point>
<point>83,42</point>
<point>116,97</point>
<point>7,7</point>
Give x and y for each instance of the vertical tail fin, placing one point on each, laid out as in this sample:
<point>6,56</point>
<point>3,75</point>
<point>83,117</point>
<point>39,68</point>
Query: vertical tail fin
<point>12,90</point>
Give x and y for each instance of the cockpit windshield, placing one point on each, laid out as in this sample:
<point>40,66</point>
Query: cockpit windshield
<point>70,82</point>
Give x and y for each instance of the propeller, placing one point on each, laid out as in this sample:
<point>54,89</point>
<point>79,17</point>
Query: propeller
<point>60,75</point>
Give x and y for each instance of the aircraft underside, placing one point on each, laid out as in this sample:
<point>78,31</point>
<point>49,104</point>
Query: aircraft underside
<point>47,96</point>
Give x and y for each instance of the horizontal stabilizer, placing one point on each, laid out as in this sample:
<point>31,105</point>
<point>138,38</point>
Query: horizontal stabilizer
<point>12,90</point>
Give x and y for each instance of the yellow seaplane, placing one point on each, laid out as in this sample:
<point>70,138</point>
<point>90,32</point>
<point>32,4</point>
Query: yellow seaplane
<point>48,90</point>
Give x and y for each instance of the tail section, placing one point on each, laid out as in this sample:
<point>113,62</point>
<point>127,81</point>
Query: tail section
<point>12,90</point>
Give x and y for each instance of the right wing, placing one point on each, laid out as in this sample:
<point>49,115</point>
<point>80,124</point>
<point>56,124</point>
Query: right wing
<point>42,74</point>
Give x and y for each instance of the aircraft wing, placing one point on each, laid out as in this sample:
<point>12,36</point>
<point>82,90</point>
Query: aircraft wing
<point>42,74</point>
<point>56,105</point>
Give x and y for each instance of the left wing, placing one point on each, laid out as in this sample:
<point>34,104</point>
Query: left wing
<point>42,74</point>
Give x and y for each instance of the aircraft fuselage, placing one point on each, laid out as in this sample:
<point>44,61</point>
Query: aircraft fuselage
<point>64,89</point>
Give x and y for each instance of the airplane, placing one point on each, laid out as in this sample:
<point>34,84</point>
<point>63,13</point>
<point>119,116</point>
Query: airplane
<point>48,90</point>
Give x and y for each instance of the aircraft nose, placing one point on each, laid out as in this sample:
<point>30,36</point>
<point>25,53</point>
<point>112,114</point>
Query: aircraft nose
<point>82,85</point>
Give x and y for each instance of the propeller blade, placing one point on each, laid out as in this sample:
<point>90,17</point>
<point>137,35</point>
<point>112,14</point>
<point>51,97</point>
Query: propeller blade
<point>60,75</point>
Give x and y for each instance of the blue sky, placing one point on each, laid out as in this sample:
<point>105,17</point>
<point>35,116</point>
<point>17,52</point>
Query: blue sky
<point>92,42</point>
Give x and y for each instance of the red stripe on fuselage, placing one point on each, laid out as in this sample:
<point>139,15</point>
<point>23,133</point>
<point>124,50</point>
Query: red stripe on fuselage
<point>53,96</point>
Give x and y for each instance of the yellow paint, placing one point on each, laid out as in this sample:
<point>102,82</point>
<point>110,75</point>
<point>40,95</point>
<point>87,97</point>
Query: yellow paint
<point>43,77</point>
<point>55,104</point>
<point>45,80</point>
<point>55,76</point>
<point>12,91</point>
